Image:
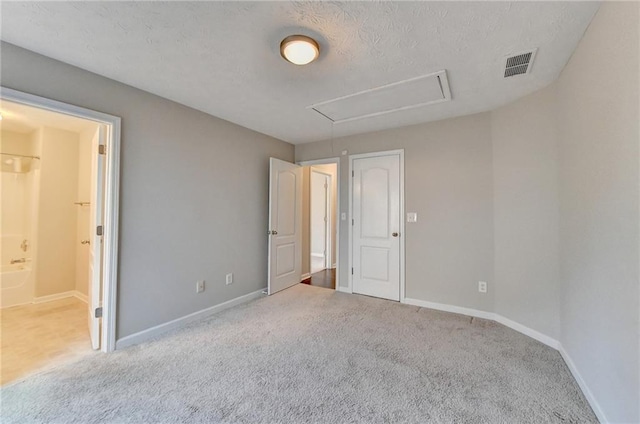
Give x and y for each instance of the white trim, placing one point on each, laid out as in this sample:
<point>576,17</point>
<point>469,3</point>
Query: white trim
<point>81,296</point>
<point>326,161</point>
<point>343,290</point>
<point>450,308</point>
<point>542,338</point>
<point>536,335</point>
<point>595,406</point>
<point>153,332</point>
<point>305,276</point>
<point>58,296</point>
<point>399,152</point>
<point>55,296</point>
<point>111,200</point>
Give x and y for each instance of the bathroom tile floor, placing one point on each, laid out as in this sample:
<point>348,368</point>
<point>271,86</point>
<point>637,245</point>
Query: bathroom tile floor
<point>39,336</point>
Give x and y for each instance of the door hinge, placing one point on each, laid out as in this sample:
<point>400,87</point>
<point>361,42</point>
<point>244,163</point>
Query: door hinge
<point>353,222</point>
<point>353,173</point>
<point>101,149</point>
<point>351,271</point>
<point>98,312</point>
<point>99,230</point>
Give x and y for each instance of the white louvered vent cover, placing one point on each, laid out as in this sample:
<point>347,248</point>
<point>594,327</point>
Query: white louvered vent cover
<point>519,64</point>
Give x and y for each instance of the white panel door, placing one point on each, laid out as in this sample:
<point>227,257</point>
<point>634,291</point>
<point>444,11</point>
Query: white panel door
<point>95,240</point>
<point>376,226</point>
<point>285,225</point>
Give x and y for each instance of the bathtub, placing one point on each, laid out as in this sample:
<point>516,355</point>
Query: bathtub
<point>16,275</point>
<point>17,283</point>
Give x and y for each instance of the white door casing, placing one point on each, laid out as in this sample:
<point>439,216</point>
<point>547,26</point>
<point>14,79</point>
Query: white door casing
<point>95,246</point>
<point>377,226</point>
<point>285,225</point>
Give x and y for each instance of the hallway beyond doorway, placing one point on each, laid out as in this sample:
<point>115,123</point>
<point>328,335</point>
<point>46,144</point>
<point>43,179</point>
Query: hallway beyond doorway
<point>325,278</point>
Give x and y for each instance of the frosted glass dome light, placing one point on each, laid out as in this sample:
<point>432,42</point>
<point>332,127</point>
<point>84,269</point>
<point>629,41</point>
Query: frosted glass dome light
<point>299,49</point>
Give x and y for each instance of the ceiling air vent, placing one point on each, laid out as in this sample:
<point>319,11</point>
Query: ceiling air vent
<point>519,64</point>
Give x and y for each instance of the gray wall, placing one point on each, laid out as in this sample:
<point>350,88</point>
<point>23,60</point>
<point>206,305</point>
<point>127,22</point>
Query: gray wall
<point>525,186</point>
<point>598,134</point>
<point>553,181</point>
<point>448,182</point>
<point>194,192</point>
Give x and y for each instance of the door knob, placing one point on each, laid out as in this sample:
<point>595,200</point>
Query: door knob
<point>395,234</point>
<point>274,232</point>
<point>85,242</point>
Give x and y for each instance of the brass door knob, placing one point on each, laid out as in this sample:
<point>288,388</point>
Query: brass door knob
<point>395,234</point>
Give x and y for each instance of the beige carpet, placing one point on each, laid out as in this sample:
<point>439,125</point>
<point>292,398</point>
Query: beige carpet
<point>312,355</point>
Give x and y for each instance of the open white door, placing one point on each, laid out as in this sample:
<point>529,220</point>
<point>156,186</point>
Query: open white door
<point>285,225</point>
<point>95,257</point>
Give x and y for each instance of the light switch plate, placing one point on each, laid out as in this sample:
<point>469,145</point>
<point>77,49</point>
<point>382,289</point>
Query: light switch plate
<point>412,217</point>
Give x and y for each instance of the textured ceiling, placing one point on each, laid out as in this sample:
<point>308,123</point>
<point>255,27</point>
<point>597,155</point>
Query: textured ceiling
<point>223,57</point>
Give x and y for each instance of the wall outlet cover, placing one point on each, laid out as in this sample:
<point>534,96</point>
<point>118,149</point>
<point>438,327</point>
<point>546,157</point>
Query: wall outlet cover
<point>229,279</point>
<point>199,286</point>
<point>412,217</point>
<point>482,286</point>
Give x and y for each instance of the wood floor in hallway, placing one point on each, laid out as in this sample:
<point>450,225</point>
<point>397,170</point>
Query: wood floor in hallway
<point>325,278</point>
<point>39,336</point>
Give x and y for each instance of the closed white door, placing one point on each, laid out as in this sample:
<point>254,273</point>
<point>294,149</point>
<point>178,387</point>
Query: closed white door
<point>285,225</point>
<point>95,239</point>
<point>376,226</point>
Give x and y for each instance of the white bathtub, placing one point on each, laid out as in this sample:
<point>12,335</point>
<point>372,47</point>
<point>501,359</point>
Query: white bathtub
<point>17,283</point>
<point>12,276</point>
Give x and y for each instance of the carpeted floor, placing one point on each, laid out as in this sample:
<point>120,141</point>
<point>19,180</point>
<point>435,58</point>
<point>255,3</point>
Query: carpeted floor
<point>310,354</point>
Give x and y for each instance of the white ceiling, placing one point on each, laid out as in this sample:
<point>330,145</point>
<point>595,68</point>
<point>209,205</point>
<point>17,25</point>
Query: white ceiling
<point>223,57</point>
<point>25,119</point>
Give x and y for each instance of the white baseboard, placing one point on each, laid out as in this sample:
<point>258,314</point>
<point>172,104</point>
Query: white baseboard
<point>152,332</point>
<point>450,308</point>
<point>334,266</point>
<point>583,386</point>
<point>304,276</point>
<point>343,289</point>
<point>542,338</point>
<point>58,296</point>
<point>81,296</point>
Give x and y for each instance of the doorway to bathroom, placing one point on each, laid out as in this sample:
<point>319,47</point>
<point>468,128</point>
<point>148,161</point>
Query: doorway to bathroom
<point>58,232</point>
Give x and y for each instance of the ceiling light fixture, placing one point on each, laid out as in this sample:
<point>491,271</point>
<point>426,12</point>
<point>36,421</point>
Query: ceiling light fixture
<point>299,49</point>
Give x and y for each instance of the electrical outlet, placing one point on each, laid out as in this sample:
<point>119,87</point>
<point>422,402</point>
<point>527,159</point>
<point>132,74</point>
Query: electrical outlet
<point>199,286</point>
<point>482,286</point>
<point>229,279</point>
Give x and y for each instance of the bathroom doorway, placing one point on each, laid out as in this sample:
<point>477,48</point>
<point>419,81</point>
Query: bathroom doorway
<point>58,232</point>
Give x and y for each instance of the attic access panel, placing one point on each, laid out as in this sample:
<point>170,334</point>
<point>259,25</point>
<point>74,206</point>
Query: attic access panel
<point>402,95</point>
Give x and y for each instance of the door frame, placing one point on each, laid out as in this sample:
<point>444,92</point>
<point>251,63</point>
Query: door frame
<point>328,240</point>
<point>111,200</point>
<point>328,161</point>
<point>352,158</point>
